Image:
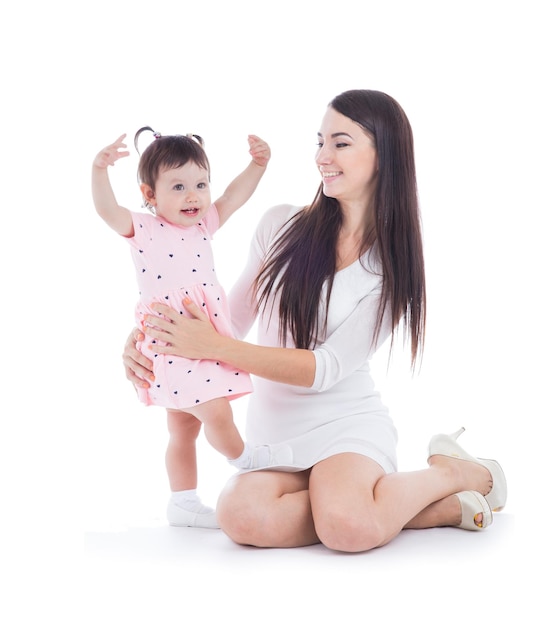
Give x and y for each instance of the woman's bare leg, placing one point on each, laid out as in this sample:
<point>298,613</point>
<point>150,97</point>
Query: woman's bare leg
<point>357,507</point>
<point>445,512</point>
<point>267,509</point>
<point>347,502</point>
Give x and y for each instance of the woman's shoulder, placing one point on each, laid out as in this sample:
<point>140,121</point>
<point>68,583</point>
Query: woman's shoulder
<point>274,220</point>
<point>280,213</point>
<point>278,216</point>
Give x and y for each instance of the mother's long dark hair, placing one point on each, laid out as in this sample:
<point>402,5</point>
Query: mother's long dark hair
<point>303,259</point>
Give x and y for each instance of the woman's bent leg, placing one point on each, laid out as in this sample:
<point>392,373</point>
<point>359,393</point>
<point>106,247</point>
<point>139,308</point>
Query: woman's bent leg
<point>445,512</point>
<point>267,509</point>
<point>357,507</point>
<point>346,501</point>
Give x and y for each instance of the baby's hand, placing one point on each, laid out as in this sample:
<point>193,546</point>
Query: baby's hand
<point>109,155</point>
<point>259,150</point>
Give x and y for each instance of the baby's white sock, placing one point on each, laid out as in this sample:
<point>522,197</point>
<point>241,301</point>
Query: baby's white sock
<point>245,460</point>
<point>190,501</point>
<point>252,458</point>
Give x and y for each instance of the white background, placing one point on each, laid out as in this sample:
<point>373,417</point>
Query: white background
<point>77,450</point>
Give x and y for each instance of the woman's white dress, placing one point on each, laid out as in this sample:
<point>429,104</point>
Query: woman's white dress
<point>342,411</point>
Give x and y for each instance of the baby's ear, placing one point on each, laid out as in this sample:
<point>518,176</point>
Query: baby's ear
<point>148,194</point>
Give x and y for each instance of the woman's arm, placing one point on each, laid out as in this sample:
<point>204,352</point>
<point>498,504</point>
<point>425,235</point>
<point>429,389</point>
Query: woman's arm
<point>197,339</point>
<point>352,344</point>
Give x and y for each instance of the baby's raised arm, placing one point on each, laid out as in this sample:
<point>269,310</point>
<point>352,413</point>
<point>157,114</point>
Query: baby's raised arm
<point>243,186</point>
<point>116,216</point>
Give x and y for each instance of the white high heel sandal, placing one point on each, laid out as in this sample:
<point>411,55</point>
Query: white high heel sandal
<point>446,445</point>
<point>472,505</point>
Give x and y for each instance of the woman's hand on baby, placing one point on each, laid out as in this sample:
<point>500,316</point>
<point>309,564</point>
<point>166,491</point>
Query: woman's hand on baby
<point>109,155</point>
<point>192,338</point>
<point>138,368</point>
<point>259,150</point>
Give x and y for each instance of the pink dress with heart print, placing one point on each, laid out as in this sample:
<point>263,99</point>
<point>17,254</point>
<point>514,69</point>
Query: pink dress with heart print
<point>174,262</point>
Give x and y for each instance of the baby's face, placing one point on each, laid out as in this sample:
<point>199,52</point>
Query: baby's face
<point>182,195</point>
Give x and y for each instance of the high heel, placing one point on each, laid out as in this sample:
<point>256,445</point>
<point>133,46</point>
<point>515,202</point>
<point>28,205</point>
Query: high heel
<point>472,504</point>
<point>446,445</point>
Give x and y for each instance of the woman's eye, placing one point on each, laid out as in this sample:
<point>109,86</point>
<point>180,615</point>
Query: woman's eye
<point>337,145</point>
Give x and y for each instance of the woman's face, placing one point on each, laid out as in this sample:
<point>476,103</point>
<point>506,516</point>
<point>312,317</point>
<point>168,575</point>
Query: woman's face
<point>346,159</point>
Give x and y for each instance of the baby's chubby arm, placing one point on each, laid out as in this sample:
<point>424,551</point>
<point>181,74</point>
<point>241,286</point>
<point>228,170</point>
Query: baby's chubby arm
<point>243,186</point>
<point>116,216</point>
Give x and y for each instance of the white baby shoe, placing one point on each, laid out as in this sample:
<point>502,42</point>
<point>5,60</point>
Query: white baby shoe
<point>205,517</point>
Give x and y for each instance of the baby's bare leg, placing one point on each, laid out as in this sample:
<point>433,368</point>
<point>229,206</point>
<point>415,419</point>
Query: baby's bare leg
<point>223,435</point>
<point>180,458</point>
<point>220,430</point>
<point>185,507</point>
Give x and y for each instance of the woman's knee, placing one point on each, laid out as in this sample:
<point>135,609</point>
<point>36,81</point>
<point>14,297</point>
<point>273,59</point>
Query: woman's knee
<point>237,515</point>
<point>348,531</point>
<point>344,511</point>
<point>250,508</point>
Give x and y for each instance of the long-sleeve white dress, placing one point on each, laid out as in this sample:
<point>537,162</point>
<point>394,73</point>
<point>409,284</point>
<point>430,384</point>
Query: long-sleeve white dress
<point>342,411</point>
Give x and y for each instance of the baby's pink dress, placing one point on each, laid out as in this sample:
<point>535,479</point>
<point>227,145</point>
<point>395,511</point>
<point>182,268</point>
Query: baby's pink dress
<point>172,263</point>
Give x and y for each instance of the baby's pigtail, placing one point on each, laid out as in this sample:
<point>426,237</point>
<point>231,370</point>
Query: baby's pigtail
<point>141,130</point>
<point>197,138</point>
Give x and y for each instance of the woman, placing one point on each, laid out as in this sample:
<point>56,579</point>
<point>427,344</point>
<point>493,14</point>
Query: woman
<point>330,283</point>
